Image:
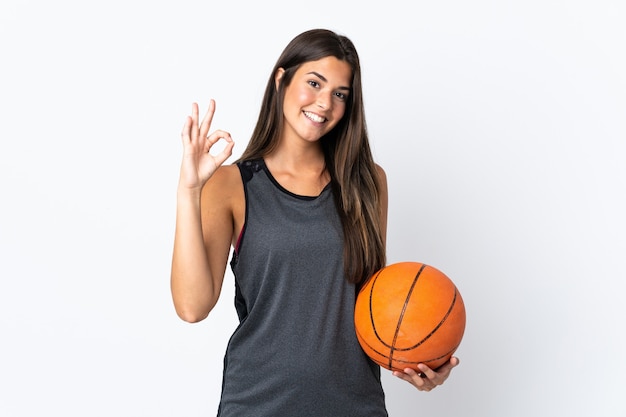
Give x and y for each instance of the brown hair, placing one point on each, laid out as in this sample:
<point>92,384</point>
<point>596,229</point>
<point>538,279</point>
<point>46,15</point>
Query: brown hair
<point>354,179</point>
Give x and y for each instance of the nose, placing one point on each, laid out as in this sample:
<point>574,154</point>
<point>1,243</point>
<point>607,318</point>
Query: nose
<point>324,100</point>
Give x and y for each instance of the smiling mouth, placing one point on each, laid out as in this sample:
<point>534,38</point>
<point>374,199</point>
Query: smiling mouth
<point>314,117</point>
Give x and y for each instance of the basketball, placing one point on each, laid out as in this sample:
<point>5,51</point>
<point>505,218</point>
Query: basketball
<point>409,313</point>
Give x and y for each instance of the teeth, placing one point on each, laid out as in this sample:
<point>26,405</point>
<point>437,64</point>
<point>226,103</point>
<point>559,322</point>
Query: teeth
<point>314,117</point>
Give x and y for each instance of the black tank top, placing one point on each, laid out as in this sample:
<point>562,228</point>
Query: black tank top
<point>295,352</point>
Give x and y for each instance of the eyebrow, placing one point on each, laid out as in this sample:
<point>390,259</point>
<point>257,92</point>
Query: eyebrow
<point>321,77</point>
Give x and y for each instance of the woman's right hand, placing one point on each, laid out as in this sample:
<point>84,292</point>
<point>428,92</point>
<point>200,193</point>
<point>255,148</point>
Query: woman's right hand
<point>198,163</point>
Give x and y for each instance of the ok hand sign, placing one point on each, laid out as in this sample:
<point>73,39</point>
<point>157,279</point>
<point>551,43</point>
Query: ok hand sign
<point>198,163</point>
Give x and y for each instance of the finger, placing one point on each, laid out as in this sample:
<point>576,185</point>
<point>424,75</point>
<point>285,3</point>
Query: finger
<point>221,157</point>
<point>207,119</point>
<point>185,133</point>
<point>414,378</point>
<point>193,129</point>
<point>214,137</point>
<point>430,377</point>
<point>405,376</point>
<point>426,371</point>
<point>445,369</point>
<point>228,148</point>
<point>416,375</point>
<point>426,379</point>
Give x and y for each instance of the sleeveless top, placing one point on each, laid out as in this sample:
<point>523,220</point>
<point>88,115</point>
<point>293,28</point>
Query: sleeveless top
<point>294,352</point>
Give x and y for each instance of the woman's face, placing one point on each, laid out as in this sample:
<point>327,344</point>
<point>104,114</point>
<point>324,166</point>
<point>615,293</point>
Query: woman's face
<point>315,100</point>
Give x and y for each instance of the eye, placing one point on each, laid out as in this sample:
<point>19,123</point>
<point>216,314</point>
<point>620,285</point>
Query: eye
<point>341,96</point>
<point>314,83</point>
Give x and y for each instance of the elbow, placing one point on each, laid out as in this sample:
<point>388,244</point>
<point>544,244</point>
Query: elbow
<point>191,318</point>
<point>191,306</point>
<point>191,315</point>
<point>192,303</point>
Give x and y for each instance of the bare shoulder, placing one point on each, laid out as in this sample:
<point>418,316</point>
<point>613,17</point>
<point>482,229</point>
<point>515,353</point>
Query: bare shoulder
<point>224,186</point>
<point>224,177</point>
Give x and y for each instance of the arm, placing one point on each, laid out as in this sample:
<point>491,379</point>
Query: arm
<point>202,236</point>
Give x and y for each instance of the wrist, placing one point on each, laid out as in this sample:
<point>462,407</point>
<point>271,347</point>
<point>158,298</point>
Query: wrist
<point>185,193</point>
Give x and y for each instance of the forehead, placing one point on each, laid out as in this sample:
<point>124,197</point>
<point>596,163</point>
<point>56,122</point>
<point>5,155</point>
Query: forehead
<point>332,69</point>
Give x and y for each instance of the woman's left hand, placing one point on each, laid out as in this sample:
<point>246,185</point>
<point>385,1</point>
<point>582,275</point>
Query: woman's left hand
<point>426,379</point>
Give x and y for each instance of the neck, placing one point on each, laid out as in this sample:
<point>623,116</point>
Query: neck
<point>295,157</point>
<point>303,173</point>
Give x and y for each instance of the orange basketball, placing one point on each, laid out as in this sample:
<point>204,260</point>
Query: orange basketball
<point>409,313</point>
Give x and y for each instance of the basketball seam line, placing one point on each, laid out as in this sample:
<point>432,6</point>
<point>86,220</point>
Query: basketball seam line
<point>433,331</point>
<point>404,307</point>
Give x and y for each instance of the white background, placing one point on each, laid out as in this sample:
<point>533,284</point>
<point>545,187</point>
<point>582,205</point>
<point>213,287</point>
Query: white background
<point>501,125</point>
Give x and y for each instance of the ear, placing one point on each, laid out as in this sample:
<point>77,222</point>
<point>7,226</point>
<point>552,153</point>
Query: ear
<point>278,76</point>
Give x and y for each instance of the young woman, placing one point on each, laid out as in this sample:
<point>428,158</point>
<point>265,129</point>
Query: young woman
<point>305,209</point>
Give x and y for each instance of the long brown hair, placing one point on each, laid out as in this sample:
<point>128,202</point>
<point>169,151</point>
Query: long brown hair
<point>354,179</point>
